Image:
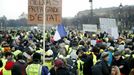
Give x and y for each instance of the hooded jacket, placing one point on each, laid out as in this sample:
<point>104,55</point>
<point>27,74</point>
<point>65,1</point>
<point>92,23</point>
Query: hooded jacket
<point>19,68</point>
<point>101,68</point>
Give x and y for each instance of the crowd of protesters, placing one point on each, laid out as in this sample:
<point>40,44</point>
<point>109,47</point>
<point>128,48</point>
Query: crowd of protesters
<point>78,53</point>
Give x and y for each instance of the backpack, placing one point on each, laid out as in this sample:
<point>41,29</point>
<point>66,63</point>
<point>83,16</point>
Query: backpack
<point>72,66</point>
<point>97,69</point>
<point>88,63</point>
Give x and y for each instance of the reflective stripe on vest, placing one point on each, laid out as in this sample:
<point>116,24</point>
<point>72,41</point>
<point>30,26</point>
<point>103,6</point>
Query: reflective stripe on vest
<point>80,64</point>
<point>80,67</point>
<point>94,57</point>
<point>34,69</point>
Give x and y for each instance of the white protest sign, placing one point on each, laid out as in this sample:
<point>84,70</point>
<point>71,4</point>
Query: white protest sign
<point>90,27</point>
<point>114,32</point>
<point>106,24</point>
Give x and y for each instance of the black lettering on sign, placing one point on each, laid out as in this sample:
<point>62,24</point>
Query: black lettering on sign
<point>52,17</point>
<point>31,17</point>
<point>48,2</point>
<point>53,2</point>
<point>51,9</point>
<point>41,2</point>
<point>40,17</point>
<point>32,9</point>
<point>56,2</point>
<point>56,17</point>
<point>36,2</point>
<point>35,9</point>
<point>41,9</point>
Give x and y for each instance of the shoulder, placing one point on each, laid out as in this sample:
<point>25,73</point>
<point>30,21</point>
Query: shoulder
<point>45,67</point>
<point>45,70</point>
<point>62,71</point>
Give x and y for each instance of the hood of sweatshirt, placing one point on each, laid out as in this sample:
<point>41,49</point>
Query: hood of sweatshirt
<point>9,65</point>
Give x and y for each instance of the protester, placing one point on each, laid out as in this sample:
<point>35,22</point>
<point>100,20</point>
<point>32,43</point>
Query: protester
<point>35,68</point>
<point>121,63</point>
<point>102,68</point>
<point>115,71</point>
<point>6,70</point>
<point>59,68</point>
<point>19,66</point>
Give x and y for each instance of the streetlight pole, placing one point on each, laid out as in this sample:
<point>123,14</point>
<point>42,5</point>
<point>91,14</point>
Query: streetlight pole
<point>91,10</point>
<point>1,26</point>
<point>120,16</point>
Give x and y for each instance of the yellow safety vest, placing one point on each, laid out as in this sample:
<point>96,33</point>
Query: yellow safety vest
<point>4,63</point>
<point>17,52</point>
<point>6,72</point>
<point>34,69</point>
<point>80,67</point>
<point>69,49</point>
<point>94,57</point>
<point>48,64</point>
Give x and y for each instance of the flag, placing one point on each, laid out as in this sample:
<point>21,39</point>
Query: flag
<point>60,32</point>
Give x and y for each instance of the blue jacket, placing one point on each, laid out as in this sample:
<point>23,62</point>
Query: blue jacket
<point>45,70</point>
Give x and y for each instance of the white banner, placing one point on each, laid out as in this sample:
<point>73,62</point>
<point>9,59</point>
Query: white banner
<point>90,27</point>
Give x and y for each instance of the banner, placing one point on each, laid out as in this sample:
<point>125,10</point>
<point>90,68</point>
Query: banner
<point>90,27</point>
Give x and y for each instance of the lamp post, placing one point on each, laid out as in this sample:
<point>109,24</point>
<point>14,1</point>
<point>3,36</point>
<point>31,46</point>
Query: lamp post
<point>1,26</point>
<point>120,16</point>
<point>91,7</point>
<point>91,11</point>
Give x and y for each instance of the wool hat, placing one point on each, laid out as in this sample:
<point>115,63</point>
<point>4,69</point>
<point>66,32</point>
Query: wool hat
<point>117,53</point>
<point>58,63</point>
<point>36,56</point>
<point>104,54</point>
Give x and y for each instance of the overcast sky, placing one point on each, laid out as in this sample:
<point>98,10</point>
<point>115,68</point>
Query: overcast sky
<point>13,8</point>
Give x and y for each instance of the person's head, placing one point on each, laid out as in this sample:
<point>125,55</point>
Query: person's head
<point>96,50</point>
<point>82,43</point>
<point>8,55</point>
<point>63,51</point>
<point>36,57</point>
<point>20,56</point>
<point>58,63</point>
<point>131,72</point>
<point>104,56</point>
<point>117,55</point>
<point>111,48</point>
<point>80,51</point>
<point>115,70</point>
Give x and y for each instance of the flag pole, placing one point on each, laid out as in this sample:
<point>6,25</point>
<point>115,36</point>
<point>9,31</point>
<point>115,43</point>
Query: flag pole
<point>44,23</point>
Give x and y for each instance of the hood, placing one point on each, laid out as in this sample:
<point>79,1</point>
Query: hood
<point>22,61</point>
<point>9,65</point>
